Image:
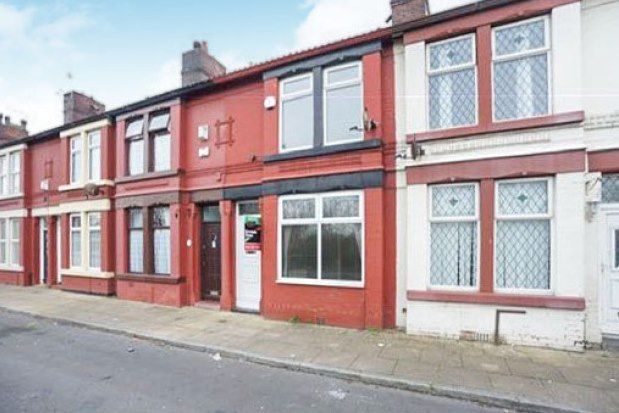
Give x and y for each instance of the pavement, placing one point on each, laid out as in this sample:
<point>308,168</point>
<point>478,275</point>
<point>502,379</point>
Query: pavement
<point>512,377</point>
<point>48,367</point>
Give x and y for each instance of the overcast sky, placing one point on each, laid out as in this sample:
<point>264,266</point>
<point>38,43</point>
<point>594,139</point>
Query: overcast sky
<point>121,51</point>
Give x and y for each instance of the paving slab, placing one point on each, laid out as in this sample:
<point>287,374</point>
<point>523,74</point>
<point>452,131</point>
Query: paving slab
<point>530,379</point>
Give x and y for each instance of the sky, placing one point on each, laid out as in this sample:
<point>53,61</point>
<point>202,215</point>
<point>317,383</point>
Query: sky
<point>121,51</point>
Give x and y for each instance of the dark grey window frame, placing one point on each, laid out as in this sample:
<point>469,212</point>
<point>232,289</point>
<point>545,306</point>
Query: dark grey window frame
<point>316,67</point>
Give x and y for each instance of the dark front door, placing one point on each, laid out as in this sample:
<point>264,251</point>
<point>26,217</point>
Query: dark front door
<point>210,260</point>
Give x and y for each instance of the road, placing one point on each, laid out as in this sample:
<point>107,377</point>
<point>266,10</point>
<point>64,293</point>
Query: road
<point>46,367</point>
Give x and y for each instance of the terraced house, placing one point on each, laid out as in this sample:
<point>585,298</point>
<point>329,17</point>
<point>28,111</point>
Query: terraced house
<point>453,174</point>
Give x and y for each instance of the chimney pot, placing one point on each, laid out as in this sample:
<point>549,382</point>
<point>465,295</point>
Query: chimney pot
<point>403,11</point>
<point>9,132</point>
<point>24,123</point>
<point>7,120</point>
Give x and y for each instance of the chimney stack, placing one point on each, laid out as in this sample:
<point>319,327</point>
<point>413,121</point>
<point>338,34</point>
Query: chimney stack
<point>10,131</point>
<point>78,106</point>
<point>199,65</point>
<point>403,11</point>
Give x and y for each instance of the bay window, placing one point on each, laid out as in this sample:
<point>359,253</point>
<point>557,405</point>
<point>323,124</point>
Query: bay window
<point>321,238</point>
<point>297,113</point>
<point>523,212</point>
<point>322,107</point>
<point>76,239</point>
<point>452,82</point>
<point>149,240</point>
<point>454,240</point>
<point>10,242</point>
<point>521,59</point>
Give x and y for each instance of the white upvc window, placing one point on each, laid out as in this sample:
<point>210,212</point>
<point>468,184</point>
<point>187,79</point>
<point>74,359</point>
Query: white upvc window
<point>521,69</point>
<point>296,114</point>
<point>94,241</point>
<point>94,155</point>
<point>76,159</point>
<point>10,173</point>
<point>10,242</point>
<point>76,240</point>
<point>452,82</point>
<point>343,103</point>
<point>321,239</point>
<point>523,235</point>
<point>454,236</point>
<point>161,240</point>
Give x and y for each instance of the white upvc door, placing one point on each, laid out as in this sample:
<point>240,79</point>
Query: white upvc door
<point>609,280</point>
<point>247,262</point>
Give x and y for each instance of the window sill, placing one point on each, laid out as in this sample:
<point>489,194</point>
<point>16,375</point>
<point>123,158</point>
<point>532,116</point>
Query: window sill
<point>321,283</point>
<point>11,268</point>
<point>504,126</point>
<point>81,185</point>
<point>150,278</point>
<point>324,150</point>
<point>513,300</point>
<point>149,175</point>
<point>78,272</point>
<point>11,196</point>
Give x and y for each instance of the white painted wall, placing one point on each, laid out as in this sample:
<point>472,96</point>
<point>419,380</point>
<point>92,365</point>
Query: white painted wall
<point>538,327</point>
<point>566,58</point>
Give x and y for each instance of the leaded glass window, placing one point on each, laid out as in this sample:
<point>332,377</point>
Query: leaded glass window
<point>94,240</point>
<point>76,240</point>
<point>136,240</point>
<point>452,83</point>
<point>610,188</point>
<point>523,234</point>
<point>521,56</point>
<point>454,235</point>
<point>161,240</point>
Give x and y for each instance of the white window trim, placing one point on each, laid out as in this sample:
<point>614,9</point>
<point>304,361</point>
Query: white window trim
<point>318,220</point>
<point>8,250</point>
<point>71,231</point>
<point>84,178</point>
<point>88,230</point>
<point>283,97</point>
<point>549,216</point>
<point>89,135</point>
<point>75,141</point>
<point>333,86</point>
<point>7,172</point>
<point>547,49</point>
<point>430,72</point>
<point>473,218</point>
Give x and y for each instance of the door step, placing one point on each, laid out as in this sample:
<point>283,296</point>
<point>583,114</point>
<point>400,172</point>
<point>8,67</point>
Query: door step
<point>209,305</point>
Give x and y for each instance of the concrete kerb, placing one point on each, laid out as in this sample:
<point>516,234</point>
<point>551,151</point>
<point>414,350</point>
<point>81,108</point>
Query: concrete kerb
<point>484,398</point>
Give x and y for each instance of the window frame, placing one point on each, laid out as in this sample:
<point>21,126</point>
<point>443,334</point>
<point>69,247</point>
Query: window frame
<point>73,229</point>
<point>151,233</point>
<point>318,220</point>
<point>283,97</point>
<point>89,135</point>
<point>547,49</point>
<point>77,140</point>
<point>4,174</point>
<point>135,138</point>
<point>476,218</point>
<point>89,230</point>
<point>429,72</point>
<point>142,230</point>
<point>327,87</point>
<point>12,240</point>
<point>549,215</point>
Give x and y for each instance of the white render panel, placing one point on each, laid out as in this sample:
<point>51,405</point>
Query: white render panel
<point>416,116</point>
<point>400,92</point>
<point>566,58</point>
<point>417,245</point>
<point>538,327</point>
<point>401,247</point>
<point>569,237</point>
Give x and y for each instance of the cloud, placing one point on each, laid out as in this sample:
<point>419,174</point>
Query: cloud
<point>168,77</point>
<point>330,20</point>
<point>441,5</point>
